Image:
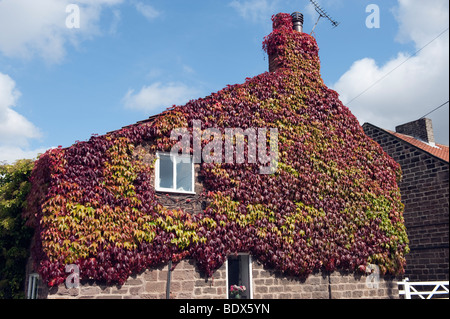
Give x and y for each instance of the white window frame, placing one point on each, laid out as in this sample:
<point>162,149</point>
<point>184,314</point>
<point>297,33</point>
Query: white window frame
<point>250,276</point>
<point>33,286</point>
<point>174,158</point>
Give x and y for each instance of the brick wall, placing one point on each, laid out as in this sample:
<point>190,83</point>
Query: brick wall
<point>425,194</point>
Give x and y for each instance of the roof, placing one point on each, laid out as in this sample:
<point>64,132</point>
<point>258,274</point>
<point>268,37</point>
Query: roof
<point>438,150</point>
<point>149,120</point>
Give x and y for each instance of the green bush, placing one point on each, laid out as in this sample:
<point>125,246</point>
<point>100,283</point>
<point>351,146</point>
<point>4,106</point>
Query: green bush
<point>15,236</point>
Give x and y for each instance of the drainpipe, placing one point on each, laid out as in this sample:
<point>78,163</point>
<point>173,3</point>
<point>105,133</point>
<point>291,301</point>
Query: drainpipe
<point>169,277</point>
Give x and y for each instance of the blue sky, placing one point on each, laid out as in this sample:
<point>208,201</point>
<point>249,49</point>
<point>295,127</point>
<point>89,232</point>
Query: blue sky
<point>130,59</point>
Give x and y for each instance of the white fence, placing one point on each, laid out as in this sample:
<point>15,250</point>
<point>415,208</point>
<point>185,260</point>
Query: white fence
<point>411,289</point>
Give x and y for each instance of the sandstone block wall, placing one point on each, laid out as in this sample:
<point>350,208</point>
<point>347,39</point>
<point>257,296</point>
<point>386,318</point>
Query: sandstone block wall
<point>188,283</point>
<point>337,285</point>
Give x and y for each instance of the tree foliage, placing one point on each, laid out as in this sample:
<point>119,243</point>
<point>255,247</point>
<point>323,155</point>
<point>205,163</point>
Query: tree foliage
<point>14,235</point>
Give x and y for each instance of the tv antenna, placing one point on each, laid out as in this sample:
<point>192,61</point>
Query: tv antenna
<point>322,14</point>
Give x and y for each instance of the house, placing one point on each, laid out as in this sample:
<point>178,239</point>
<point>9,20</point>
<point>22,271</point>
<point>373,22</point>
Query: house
<point>425,194</point>
<point>271,185</point>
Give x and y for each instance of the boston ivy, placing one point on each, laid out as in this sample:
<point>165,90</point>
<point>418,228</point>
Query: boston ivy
<point>333,203</point>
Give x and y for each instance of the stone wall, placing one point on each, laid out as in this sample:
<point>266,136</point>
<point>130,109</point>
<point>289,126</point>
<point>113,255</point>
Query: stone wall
<point>337,285</point>
<point>188,283</point>
<point>425,194</point>
<point>270,285</point>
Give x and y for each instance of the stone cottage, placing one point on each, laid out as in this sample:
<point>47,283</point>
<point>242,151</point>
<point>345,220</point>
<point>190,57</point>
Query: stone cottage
<point>425,193</point>
<point>266,189</point>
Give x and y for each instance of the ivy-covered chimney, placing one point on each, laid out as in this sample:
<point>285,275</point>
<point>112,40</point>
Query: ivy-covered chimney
<point>295,22</point>
<point>421,129</point>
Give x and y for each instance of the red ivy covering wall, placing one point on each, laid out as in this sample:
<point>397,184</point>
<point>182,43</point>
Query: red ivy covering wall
<point>333,203</point>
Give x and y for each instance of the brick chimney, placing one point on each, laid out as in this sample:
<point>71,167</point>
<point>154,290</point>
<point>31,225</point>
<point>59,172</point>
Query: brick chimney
<point>421,129</point>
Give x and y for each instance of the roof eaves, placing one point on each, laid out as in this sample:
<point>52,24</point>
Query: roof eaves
<point>417,143</point>
<point>149,120</point>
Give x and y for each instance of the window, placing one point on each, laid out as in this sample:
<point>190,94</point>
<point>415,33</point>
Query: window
<point>174,173</point>
<point>239,276</point>
<point>33,285</point>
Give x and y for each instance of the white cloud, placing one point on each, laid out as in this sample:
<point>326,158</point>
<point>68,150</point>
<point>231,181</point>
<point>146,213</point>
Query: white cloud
<point>116,19</point>
<point>38,28</point>
<point>147,11</point>
<point>15,130</point>
<point>414,88</point>
<point>255,10</point>
<point>420,20</point>
<point>10,154</point>
<point>156,97</point>
<point>187,69</point>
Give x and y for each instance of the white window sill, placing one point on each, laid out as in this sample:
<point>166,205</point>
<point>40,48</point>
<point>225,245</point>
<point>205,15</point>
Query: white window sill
<point>173,191</point>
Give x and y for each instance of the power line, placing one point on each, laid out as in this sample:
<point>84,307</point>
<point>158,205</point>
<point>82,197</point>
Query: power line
<point>434,109</point>
<point>384,76</point>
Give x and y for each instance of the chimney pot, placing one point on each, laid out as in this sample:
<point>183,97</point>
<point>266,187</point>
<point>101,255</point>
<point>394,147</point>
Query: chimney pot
<point>297,21</point>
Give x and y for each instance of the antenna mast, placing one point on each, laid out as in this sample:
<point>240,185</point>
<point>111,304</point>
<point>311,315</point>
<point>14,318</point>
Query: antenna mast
<point>322,14</point>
